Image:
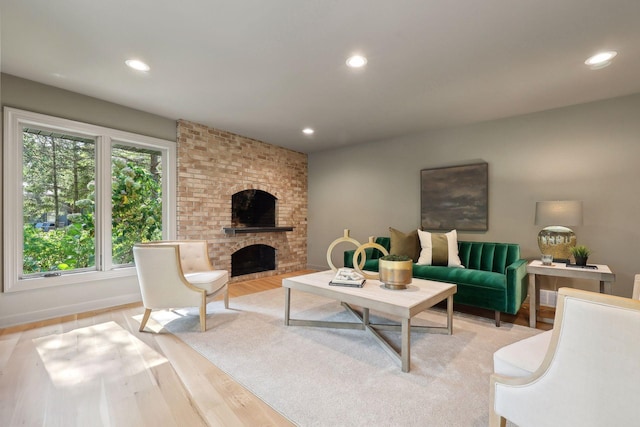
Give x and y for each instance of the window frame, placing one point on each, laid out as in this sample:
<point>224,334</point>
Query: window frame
<point>105,138</point>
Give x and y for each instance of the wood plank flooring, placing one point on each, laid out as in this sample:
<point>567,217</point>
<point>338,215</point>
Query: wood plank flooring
<point>96,369</point>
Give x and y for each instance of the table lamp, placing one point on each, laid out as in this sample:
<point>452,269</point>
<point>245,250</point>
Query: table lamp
<point>556,238</point>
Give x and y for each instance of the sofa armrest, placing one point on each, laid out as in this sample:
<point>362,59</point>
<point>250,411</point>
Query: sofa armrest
<point>517,285</point>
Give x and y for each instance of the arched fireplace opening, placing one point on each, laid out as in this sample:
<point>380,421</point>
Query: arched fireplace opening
<point>253,259</point>
<point>254,211</point>
<point>253,208</point>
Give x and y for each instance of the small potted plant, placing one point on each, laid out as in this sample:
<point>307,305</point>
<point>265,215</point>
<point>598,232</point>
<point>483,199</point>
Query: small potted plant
<point>581,254</point>
<point>396,271</point>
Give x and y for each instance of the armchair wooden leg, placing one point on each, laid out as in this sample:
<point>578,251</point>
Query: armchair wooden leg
<point>495,420</point>
<point>226,296</point>
<point>145,318</point>
<point>497,315</point>
<point>203,316</point>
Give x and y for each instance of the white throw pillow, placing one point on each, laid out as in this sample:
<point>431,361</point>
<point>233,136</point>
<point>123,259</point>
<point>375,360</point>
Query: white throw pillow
<point>439,249</point>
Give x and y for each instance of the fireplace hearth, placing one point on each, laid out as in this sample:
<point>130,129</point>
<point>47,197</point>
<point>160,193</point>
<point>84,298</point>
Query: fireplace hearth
<point>253,259</point>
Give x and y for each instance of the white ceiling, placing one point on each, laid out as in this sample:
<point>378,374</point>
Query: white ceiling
<point>266,69</point>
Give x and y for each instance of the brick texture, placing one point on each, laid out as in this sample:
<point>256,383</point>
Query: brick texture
<point>212,166</point>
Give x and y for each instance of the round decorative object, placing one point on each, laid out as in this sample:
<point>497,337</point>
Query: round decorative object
<point>556,241</point>
<point>396,274</point>
<point>345,238</point>
<point>357,265</point>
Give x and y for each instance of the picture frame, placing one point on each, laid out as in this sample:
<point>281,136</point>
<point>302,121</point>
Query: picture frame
<point>455,197</point>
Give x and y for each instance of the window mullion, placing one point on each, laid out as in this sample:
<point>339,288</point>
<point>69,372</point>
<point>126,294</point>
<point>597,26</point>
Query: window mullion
<point>169,205</point>
<point>103,203</point>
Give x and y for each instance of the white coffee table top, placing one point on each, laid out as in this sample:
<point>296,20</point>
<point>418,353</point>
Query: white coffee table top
<point>419,295</point>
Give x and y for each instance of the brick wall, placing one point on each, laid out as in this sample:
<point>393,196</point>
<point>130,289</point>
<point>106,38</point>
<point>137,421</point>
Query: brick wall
<point>212,166</point>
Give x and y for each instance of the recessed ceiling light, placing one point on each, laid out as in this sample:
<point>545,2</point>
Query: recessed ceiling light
<point>308,131</point>
<point>356,61</point>
<point>601,60</point>
<point>136,64</point>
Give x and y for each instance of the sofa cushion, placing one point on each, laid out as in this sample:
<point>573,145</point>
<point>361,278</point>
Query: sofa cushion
<point>210,280</point>
<point>439,249</point>
<point>405,243</point>
<point>485,279</point>
<point>488,256</point>
<point>522,358</point>
<point>371,265</point>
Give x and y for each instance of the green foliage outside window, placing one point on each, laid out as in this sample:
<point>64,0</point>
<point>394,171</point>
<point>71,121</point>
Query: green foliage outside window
<point>60,249</point>
<point>136,216</point>
<point>136,200</point>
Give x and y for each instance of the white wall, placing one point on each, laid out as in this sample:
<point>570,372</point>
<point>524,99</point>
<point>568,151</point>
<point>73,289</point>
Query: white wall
<point>589,152</point>
<point>28,306</point>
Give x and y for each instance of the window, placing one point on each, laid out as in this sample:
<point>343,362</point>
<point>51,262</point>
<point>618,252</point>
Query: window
<point>136,199</point>
<point>77,197</point>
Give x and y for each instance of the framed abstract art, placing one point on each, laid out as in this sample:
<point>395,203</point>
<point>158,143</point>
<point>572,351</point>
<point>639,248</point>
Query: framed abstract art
<point>455,197</point>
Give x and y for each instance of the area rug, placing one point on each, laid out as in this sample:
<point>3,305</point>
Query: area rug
<point>336,377</point>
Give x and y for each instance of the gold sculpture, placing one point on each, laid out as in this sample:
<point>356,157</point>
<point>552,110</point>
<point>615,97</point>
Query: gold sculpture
<point>357,265</point>
<point>345,238</point>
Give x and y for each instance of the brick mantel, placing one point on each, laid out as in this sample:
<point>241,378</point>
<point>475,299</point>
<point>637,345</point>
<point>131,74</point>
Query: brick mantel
<point>212,166</point>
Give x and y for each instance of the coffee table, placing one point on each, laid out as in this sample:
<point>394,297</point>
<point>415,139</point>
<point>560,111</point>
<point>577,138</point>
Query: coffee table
<point>405,304</point>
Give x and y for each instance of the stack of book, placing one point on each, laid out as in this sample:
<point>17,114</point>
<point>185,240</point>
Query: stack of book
<point>348,277</point>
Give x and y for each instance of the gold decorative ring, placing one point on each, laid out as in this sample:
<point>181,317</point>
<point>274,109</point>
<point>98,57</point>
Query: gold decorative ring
<point>345,238</point>
<point>357,265</point>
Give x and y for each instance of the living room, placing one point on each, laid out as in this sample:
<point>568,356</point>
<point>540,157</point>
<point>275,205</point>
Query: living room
<point>585,149</point>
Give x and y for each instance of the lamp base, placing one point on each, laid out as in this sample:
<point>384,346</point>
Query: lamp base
<point>557,241</point>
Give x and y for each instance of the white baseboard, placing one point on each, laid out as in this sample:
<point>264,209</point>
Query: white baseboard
<point>65,310</point>
<point>548,298</point>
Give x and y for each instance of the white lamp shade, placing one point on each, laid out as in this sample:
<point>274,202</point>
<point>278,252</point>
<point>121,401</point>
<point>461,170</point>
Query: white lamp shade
<point>559,212</point>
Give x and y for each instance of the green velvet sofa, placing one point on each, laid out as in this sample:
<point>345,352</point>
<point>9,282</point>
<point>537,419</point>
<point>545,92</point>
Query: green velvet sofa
<point>494,276</point>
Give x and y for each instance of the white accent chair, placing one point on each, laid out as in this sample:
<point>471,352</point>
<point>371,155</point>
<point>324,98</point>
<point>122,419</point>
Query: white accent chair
<point>178,274</point>
<point>583,373</point>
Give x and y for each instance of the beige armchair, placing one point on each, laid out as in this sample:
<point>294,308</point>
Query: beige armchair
<point>589,372</point>
<point>178,274</point>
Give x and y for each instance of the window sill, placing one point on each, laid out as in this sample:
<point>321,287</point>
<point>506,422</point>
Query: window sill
<point>35,283</point>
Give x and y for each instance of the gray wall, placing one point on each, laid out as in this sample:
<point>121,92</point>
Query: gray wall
<point>588,152</point>
<point>26,306</point>
<point>31,96</point>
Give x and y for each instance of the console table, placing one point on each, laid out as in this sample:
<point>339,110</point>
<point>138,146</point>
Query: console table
<point>536,268</point>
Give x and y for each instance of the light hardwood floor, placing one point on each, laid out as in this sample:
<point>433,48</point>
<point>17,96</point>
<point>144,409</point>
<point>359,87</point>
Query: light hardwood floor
<point>96,369</point>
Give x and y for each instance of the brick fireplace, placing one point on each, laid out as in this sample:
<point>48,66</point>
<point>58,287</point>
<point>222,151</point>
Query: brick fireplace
<point>213,165</point>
